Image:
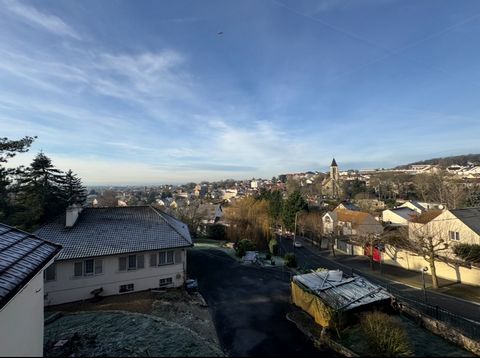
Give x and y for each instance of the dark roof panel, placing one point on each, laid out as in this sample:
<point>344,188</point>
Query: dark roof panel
<point>116,230</point>
<point>470,217</point>
<point>22,256</point>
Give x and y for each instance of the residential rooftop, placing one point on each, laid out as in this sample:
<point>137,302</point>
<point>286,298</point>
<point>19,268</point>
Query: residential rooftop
<point>470,217</point>
<point>116,230</point>
<point>22,257</point>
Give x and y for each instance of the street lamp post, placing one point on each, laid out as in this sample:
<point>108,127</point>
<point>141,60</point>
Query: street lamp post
<point>424,269</point>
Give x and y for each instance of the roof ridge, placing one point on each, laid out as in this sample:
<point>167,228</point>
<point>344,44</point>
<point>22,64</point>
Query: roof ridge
<point>168,223</point>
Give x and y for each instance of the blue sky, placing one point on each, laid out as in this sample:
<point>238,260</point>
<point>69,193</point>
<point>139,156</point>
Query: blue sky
<point>145,92</point>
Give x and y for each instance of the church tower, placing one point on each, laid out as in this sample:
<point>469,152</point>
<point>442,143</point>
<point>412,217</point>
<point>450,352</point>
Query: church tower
<point>334,171</point>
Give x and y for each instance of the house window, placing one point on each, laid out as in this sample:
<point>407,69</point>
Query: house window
<point>164,258</point>
<point>126,288</point>
<point>131,263</point>
<point>88,267</point>
<point>454,235</point>
<point>166,281</point>
<point>50,274</point>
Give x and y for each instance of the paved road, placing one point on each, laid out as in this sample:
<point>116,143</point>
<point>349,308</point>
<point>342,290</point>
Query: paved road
<point>249,306</point>
<point>311,258</point>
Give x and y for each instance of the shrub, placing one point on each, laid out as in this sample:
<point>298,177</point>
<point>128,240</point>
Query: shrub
<point>385,336</point>
<point>273,247</point>
<point>216,232</point>
<point>268,256</point>
<point>290,260</point>
<point>243,246</point>
<point>468,252</point>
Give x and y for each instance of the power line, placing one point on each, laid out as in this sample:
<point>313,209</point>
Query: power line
<point>389,52</point>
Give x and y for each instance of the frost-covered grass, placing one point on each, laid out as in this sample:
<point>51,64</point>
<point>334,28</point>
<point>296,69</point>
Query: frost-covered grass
<point>119,333</point>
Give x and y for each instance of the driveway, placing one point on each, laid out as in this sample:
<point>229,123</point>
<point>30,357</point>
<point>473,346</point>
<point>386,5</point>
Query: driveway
<point>249,306</point>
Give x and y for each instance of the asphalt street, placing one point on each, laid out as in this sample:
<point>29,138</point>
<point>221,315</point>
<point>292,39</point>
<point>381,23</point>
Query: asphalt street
<point>249,306</point>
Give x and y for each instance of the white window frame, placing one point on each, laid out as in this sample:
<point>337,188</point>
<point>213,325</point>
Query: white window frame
<point>454,235</point>
<point>97,263</point>
<point>168,281</point>
<point>127,266</point>
<point>165,255</point>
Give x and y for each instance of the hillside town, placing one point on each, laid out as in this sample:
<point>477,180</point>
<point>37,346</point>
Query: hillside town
<point>212,178</point>
<point>344,225</point>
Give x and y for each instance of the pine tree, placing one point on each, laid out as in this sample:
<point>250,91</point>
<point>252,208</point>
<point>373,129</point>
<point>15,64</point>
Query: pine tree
<point>8,149</point>
<point>40,192</point>
<point>73,192</point>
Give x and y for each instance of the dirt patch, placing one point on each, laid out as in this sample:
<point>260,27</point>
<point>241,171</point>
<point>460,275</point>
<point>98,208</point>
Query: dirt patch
<point>173,306</point>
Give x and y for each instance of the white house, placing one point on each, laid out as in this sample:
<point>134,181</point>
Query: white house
<point>109,251</point>
<point>398,216</point>
<point>23,258</point>
<point>421,207</point>
<point>350,223</point>
<point>452,226</point>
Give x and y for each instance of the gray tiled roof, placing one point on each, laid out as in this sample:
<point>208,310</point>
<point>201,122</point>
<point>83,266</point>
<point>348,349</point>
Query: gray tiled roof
<point>116,230</point>
<point>470,217</point>
<point>22,256</point>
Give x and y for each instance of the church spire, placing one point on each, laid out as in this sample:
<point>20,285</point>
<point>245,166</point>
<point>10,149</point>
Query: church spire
<point>334,163</point>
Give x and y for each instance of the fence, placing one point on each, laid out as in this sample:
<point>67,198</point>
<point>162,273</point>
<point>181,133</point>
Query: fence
<point>468,327</point>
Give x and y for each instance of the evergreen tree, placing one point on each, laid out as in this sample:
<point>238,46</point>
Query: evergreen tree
<point>73,192</point>
<point>294,203</point>
<point>40,192</point>
<point>8,149</point>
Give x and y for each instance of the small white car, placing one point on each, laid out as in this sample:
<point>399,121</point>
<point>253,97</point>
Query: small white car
<point>297,244</point>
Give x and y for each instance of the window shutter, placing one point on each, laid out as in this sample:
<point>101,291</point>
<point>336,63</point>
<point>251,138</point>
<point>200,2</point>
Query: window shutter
<point>98,267</point>
<point>178,256</point>
<point>140,262</point>
<point>50,274</point>
<point>162,258</point>
<point>169,257</point>
<point>153,260</point>
<point>122,263</point>
<point>78,271</point>
<point>132,262</point>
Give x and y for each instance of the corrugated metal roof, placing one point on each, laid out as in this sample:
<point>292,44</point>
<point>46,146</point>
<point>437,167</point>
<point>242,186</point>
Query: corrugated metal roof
<point>22,256</point>
<point>116,230</point>
<point>341,292</point>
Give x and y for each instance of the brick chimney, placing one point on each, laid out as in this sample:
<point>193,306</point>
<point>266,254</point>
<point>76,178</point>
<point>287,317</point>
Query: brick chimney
<point>72,214</point>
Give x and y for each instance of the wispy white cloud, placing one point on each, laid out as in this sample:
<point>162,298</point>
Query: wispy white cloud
<point>40,19</point>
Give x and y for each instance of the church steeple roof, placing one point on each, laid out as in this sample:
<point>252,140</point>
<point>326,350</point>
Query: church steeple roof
<point>334,163</point>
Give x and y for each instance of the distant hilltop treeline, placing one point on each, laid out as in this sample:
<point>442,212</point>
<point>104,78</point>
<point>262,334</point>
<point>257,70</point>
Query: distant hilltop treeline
<point>447,161</point>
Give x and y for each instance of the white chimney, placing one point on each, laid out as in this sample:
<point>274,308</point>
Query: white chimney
<point>73,211</point>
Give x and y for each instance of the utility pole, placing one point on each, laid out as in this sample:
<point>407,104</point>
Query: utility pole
<point>295,232</point>
<point>424,269</point>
